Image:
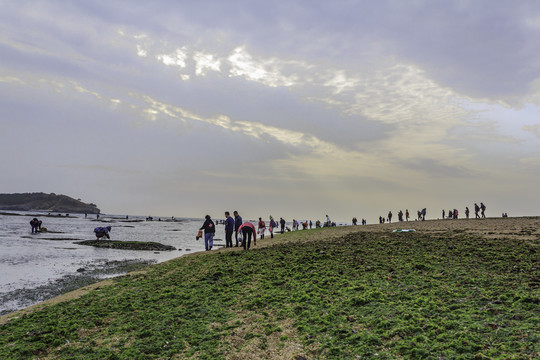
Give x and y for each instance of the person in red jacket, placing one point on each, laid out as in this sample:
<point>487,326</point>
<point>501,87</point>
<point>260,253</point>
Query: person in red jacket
<point>261,228</point>
<point>247,230</point>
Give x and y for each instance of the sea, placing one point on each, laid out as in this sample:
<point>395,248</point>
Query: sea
<point>37,267</point>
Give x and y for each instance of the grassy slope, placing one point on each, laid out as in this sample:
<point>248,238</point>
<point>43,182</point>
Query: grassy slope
<point>439,295</point>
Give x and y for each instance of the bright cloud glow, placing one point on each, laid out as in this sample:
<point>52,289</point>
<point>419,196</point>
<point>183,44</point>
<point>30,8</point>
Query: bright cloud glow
<point>205,62</point>
<point>177,58</point>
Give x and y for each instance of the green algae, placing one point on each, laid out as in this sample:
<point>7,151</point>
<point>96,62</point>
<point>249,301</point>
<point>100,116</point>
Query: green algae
<point>363,295</point>
<point>127,245</point>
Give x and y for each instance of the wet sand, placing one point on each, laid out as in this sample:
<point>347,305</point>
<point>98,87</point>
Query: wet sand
<point>524,228</point>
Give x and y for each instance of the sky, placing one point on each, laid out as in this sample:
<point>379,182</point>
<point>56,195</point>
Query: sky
<point>294,109</point>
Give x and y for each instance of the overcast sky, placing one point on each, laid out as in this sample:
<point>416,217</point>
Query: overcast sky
<point>287,108</point>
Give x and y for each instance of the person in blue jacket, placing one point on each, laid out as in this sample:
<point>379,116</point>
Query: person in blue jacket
<point>229,229</point>
<point>237,223</point>
<point>102,232</point>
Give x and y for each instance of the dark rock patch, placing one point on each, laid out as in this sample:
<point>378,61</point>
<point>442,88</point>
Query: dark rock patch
<point>127,245</point>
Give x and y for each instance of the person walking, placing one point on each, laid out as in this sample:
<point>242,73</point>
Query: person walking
<point>209,230</point>
<point>476,210</point>
<point>261,228</point>
<point>407,214</point>
<point>483,208</point>
<point>248,230</point>
<point>237,224</point>
<point>390,216</point>
<point>272,224</point>
<point>282,224</point>
<point>467,212</point>
<point>229,229</point>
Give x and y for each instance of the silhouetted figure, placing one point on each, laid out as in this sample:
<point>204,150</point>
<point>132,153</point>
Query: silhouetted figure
<point>483,208</point>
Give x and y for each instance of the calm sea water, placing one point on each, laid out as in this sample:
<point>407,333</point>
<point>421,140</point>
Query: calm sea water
<point>30,261</point>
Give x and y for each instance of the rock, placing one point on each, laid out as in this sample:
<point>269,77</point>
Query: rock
<point>127,245</point>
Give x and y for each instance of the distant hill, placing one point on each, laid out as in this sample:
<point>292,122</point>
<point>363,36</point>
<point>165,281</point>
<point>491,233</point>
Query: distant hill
<point>45,202</point>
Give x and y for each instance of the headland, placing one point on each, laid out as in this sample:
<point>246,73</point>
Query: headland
<point>46,203</point>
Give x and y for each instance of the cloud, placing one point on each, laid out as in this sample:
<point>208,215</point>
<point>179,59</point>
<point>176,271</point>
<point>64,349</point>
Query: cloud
<point>311,96</point>
<point>535,129</point>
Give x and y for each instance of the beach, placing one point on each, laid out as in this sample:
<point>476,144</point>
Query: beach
<point>449,289</point>
<point>336,293</point>
<point>36,267</point>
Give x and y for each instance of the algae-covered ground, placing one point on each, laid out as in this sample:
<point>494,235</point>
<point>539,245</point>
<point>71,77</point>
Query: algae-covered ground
<point>127,245</point>
<point>442,292</point>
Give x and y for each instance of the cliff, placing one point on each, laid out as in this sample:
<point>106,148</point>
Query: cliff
<point>45,202</point>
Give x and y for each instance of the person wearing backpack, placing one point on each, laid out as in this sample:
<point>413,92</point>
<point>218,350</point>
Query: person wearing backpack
<point>273,224</point>
<point>261,228</point>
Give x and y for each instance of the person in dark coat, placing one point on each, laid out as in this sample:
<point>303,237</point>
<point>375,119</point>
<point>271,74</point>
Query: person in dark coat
<point>229,229</point>
<point>237,223</point>
<point>36,225</point>
<point>248,229</point>
<point>209,230</point>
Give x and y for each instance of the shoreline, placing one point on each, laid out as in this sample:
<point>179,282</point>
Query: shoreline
<point>495,228</point>
<point>451,288</point>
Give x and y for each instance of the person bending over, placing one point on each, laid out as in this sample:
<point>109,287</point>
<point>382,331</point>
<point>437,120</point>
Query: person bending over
<point>248,230</point>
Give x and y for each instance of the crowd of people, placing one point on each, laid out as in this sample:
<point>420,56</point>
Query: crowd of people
<point>244,231</point>
<point>479,212</point>
<point>454,213</point>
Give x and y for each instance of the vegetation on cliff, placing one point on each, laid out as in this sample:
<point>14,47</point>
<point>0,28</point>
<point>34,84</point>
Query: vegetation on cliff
<point>45,202</point>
